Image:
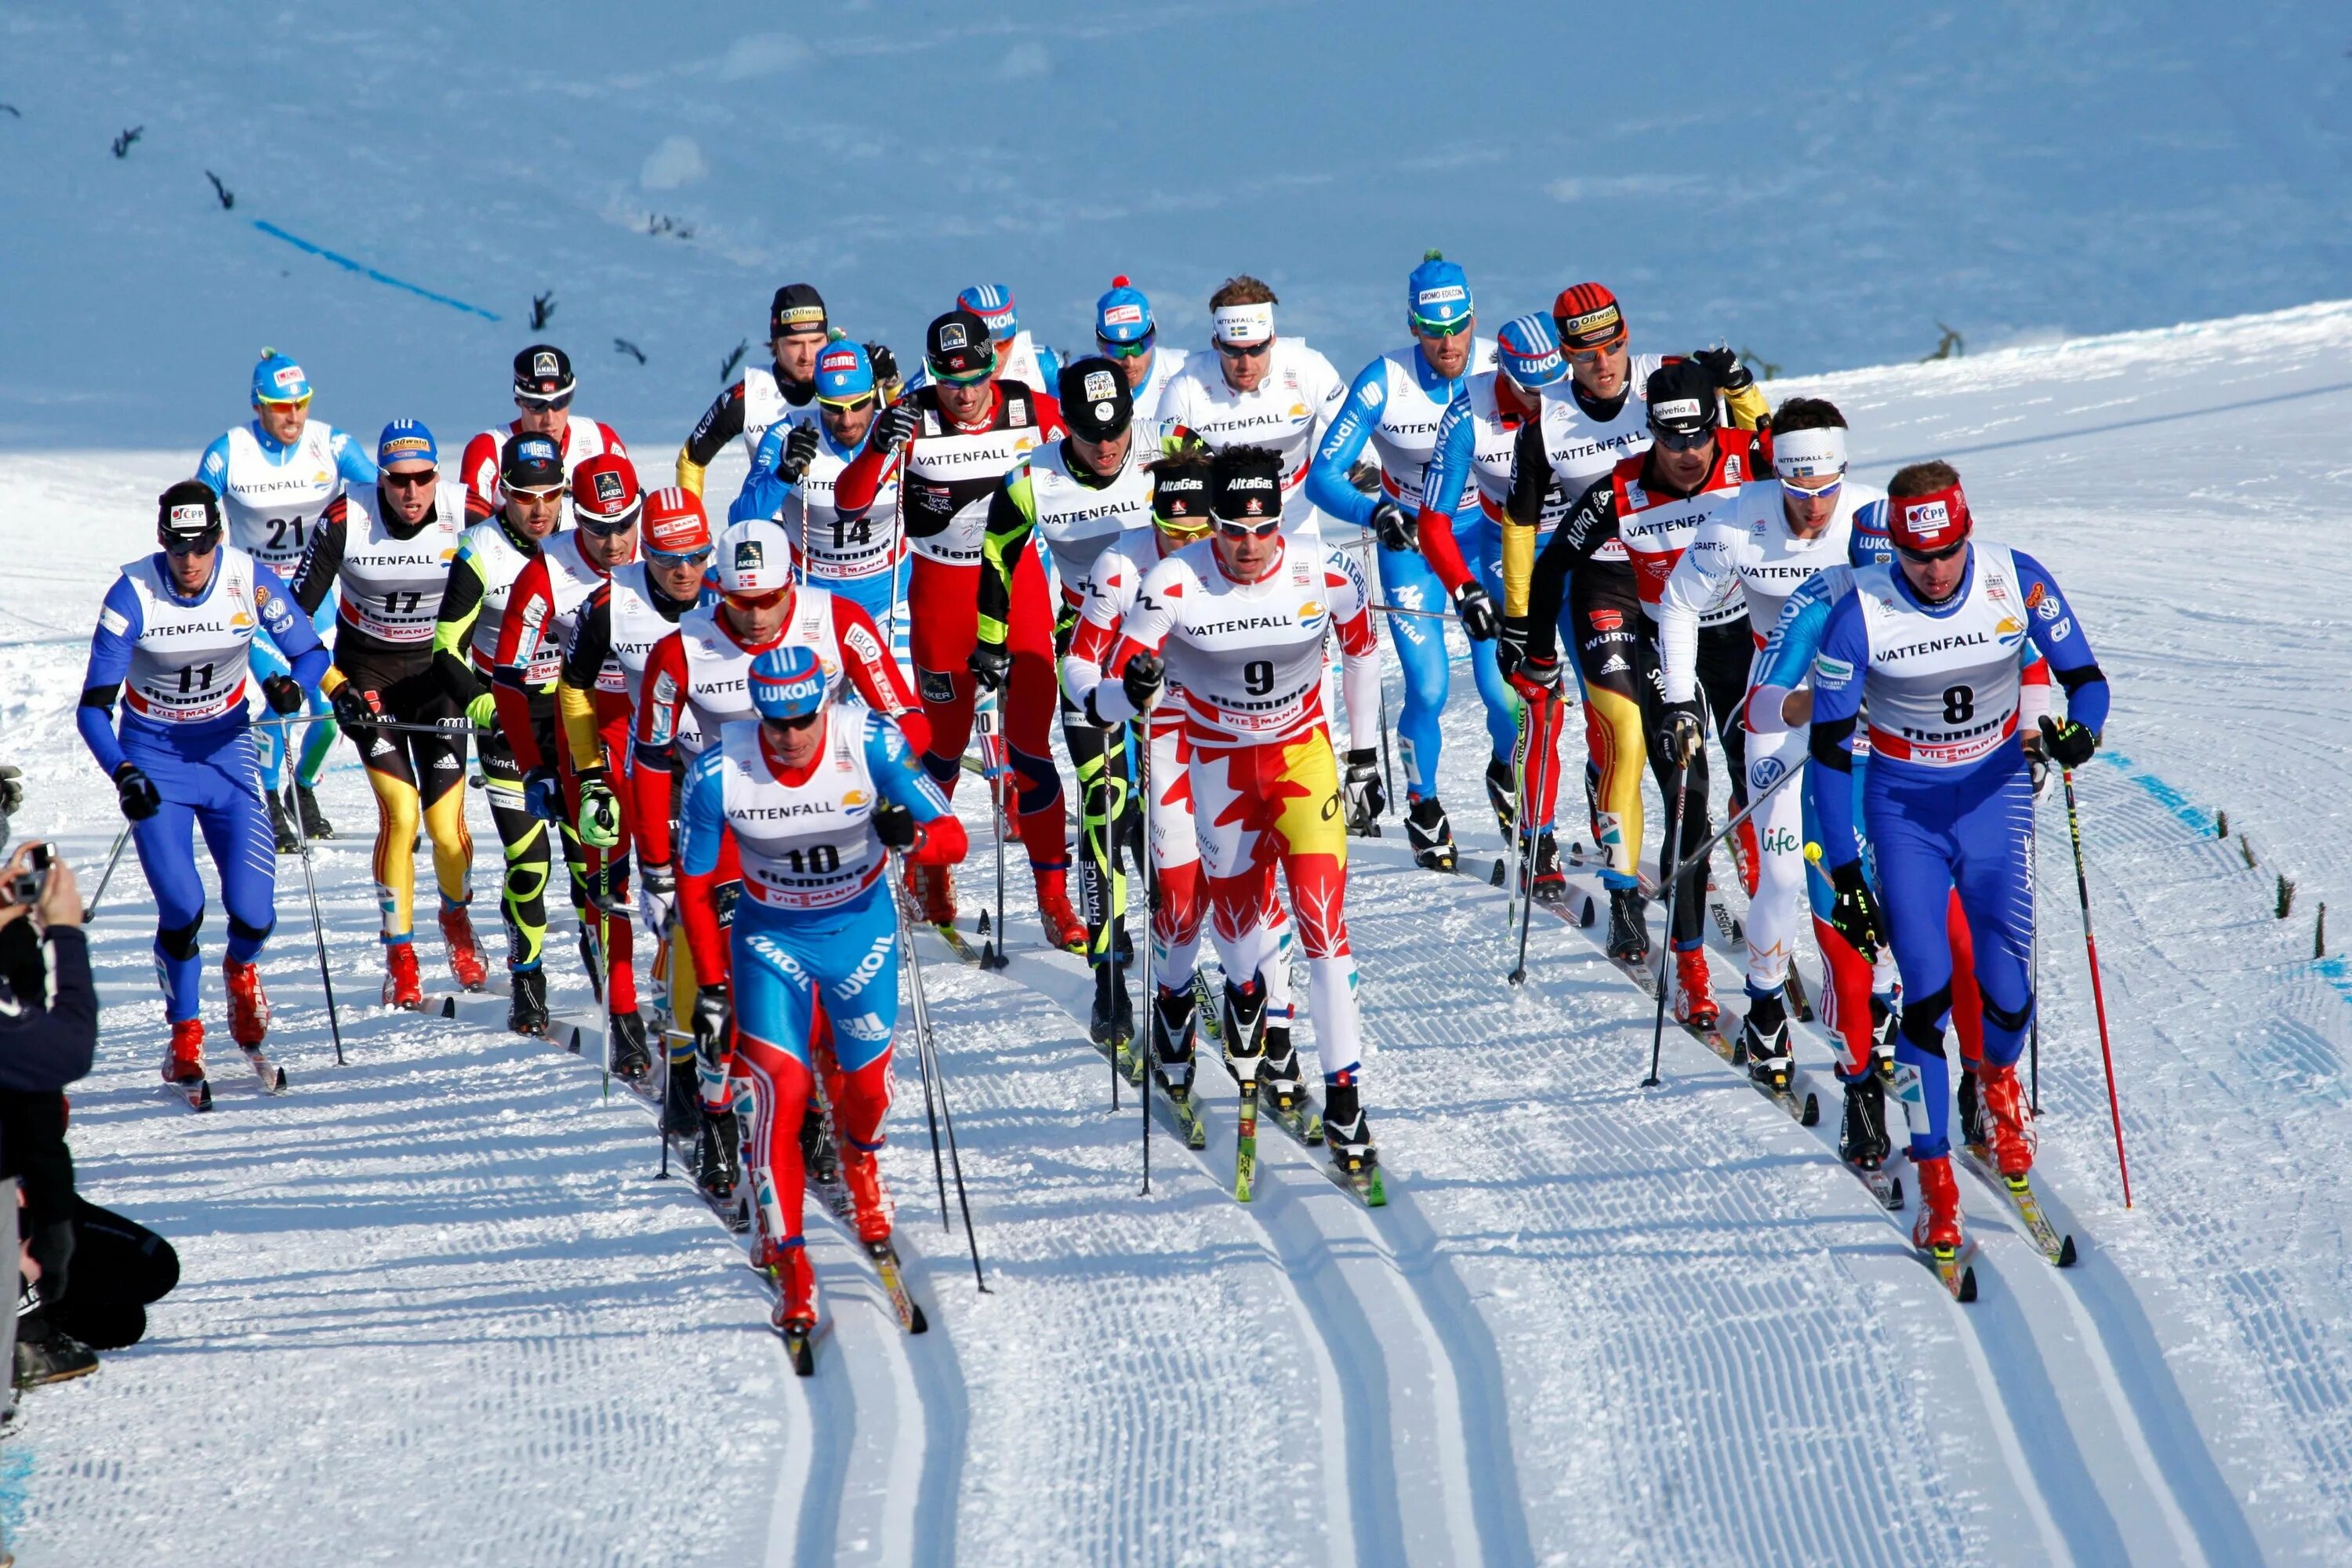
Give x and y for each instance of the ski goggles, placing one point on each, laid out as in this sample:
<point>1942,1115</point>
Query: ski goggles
<point>203,544</point>
<point>1242,528</point>
<point>1135,350</point>
<point>670,560</point>
<point>1596,352</point>
<point>606,527</point>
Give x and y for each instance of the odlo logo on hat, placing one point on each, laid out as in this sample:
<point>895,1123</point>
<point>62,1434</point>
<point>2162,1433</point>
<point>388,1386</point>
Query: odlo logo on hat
<point>749,556</point>
<point>544,364</point>
<point>608,489</point>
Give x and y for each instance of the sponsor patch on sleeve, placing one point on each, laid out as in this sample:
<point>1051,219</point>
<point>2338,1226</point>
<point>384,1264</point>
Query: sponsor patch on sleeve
<point>114,620</point>
<point>1827,671</point>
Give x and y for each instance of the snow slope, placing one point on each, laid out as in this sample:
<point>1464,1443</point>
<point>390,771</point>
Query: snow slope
<point>436,1303</point>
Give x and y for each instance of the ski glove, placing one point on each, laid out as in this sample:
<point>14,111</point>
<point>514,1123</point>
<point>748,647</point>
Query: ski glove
<point>285,692</point>
<point>12,788</point>
<point>352,710</point>
<point>140,798</point>
<point>1361,788</point>
<point>600,812</point>
<point>895,425</point>
<point>482,712</point>
<point>543,794</point>
<point>800,450</point>
<point>2068,744</point>
<point>1722,365</point>
<point>1145,678</point>
<point>895,827</point>
<point>1537,680</point>
<point>884,363</point>
<point>990,666</point>
<point>657,897</point>
<point>710,1019</point>
<point>1393,529</point>
<point>1855,915</point>
<point>1684,731</point>
<point>1476,609</point>
<point>1510,643</point>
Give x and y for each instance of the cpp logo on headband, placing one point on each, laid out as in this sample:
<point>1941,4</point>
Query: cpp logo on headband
<point>1927,519</point>
<point>191,516</point>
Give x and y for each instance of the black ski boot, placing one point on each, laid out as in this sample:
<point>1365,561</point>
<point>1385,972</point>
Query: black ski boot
<point>314,821</point>
<point>1974,1133</point>
<point>1173,1023</point>
<point>1502,793</point>
<point>1551,882</point>
<point>44,1353</point>
<point>1430,836</point>
<point>629,1057</point>
<point>1884,1022</point>
<point>282,822</point>
<point>1112,1024</point>
<point>1279,1084</point>
<point>1348,1131</point>
<point>1861,1136</point>
<point>820,1156</point>
<point>591,954</point>
<point>716,1166</point>
<point>527,1012</point>
<point>681,1113</point>
<point>1629,927</point>
<point>1245,1029</point>
<point>1764,1042</point>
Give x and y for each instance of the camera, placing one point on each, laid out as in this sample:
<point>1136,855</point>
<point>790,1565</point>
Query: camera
<point>26,887</point>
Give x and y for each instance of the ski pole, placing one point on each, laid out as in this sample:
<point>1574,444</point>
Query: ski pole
<point>1695,858</point>
<point>2033,961</point>
<point>908,962</point>
<point>1530,800</point>
<point>993,768</point>
<point>1372,576</point>
<point>928,1057</point>
<point>1425,615</point>
<point>2098,993</point>
<point>318,931</point>
<point>388,725</point>
<point>1519,814</point>
<point>1151,995</point>
<point>1666,947</point>
<point>112,858</point>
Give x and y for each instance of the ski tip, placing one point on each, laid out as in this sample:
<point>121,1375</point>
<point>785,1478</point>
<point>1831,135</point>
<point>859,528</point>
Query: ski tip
<point>573,1044</point>
<point>278,1086</point>
<point>1895,1194</point>
<point>916,1322</point>
<point>2066,1254</point>
<point>1967,1288</point>
<point>1494,879</point>
<point>201,1097</point>
<point>449,1007</point>
<point>1812,1115</point>
<point>804,1353</point>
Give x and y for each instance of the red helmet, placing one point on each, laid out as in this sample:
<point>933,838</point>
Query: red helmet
<point>1588,318</point>
<point>604,494</point>
<point>674,523</point>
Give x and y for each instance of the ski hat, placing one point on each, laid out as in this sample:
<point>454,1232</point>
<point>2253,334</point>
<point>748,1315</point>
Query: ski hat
<point>1095,402</point>
<point>186,513</point>
<point>1682,398</point>
<point>1437,297</point>
<point>1123,316</point>
<point>755,558</point>
<point>844,372</point>
<point>1587,317</point>
<point>788,682</point>
<point>1245,484</point>
<point>1529,352</point>
<point>531,462</point>
<point>1929,524</point>
<point>277,379</point>
<point>605,499</point>
<point>406,441</point>
<point>797,308</point>
<point>957,347</point>
<point>993,303</point>
<point>1179,494</point>
<point>543,374</point>
<point>674,523</point>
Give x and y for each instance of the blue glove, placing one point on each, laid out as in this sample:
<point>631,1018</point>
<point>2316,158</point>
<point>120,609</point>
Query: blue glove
<point>542,795</point>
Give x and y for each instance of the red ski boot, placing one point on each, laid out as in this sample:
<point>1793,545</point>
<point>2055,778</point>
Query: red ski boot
<point>184,1062</point>
<point>248,1007</point>
<point>1063,928</point>
<point>933,889</point>
<point>796,1310</point>
<point>861,1173</point>
<point>1937,1227</point>
<point>465,953</point>
<point>1694,997</point>
<point>2011,1135</point>
<point>402,986</point>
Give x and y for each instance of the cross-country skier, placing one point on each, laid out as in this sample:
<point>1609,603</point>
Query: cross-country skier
<point>275,475</point>
<point>956,438</point>
<point>1396,403</point>
<point>1020,357</point>
<point>1243,618</point>
<point>1125,330</point>
<point>173,640</point>
<point>765,395</point>
<point>1649,506</point>
<point>466,637</point>
<point>1931,644</point>
<point>1478,438</point>
<point>543,385</point>
<point>696,678</point>
<point>1258,390</point>
<point>812,795</point>
<point>1778,532</point>
<point>387,548</point>
<point>541,612</point>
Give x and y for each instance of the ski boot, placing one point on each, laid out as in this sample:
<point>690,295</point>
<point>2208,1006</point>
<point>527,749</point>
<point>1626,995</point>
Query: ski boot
<point>717,1162</point>
<point>820,1156</point>
<point>1938,1228</point>
<point>527,1010</point>
<point>1862,1135</point>
<point>183,1062</point>
<point>1063,928</point>
<point>1282,1087</point>
<point>1429,834</point>
<point>1694,1006</point>
<point>465,953</point>
<point>249,1005</point>
<point>1764,1042</point>
<point>1629,926</point>
<point>933,890</point>
<point>46,1354</point>
<point>1244,1026</point>
<point>592,956</point>
<point>2002,1110</point>
<point>1171,1041</point>
<point>1551,882</point>
<point>1112,1024</point>
<point>402,988</point>
<point>1972,1108</point>
<point>682,1100</point>
<point>1349,1132</point>
<point>282,822</point>
<point>1502,793</point>
<point>795,1313</point>
<point>861,1173</point>
<point>306,807</point>
<point>1884,1023</point>
<point>629,1059</point>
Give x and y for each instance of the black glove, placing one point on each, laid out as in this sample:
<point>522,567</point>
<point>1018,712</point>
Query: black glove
<point>1684,731</point>
<point>1392,527</point>
<point>285,692</point>
<point>1145,678</point>
<point>1477,612</point>
<point>895,827</point>
<point>800,450</point>
<point>1510,645</point>
<point>1855,915</point>
<point>137,791</point>
<point>710,1015</point>
<point>352,710</point>
<point>990,666</point>
<point>895,425</point>
<point>886,365</point>
<point>1722,365</point>
<point>2068,744</point>
<point>1361,790</point>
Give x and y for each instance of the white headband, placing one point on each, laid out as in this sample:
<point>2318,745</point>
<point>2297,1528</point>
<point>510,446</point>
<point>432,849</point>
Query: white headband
<point>1242,325</point>
<point>1808,454</point>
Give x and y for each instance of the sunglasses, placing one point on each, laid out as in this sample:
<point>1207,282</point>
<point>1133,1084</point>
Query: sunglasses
<point>301,401</point>
<point>1682,440</point>
<point>798,721</point>
<point>970,378</point>
<point>1440,329</point>
<point>1928,557</point>
<point>1234,529</point>
<point>1795,491</point>
<point>1135,350</point>
<point>543,403</point>
<point>847,406</point>
<point>604,527</point>
<point>671,559</point>
<point>767,601</point>
<point>531,492</point>
<point>1585,353</point>
<point>202,544</point>
<point>1244,351</point>
<point>407,480</point>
